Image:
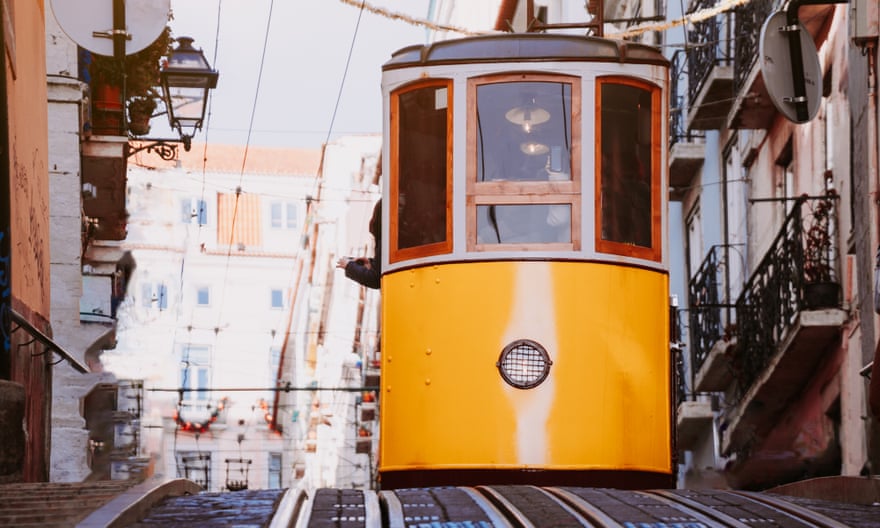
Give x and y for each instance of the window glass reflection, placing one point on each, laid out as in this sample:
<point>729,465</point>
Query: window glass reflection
<point>523,224</point>
<point>524,131</point>
<point>626,164</point>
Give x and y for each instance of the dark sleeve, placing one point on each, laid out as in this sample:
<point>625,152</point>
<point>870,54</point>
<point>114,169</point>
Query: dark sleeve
<point>357,272</point>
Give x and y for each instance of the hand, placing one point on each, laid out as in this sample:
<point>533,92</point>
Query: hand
<point>343,262</point>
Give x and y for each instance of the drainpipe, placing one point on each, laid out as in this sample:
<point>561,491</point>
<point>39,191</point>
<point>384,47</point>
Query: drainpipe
<point>874,388</point>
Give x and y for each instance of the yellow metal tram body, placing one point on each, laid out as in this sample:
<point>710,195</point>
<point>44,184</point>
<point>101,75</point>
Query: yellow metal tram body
<point>525,319</point>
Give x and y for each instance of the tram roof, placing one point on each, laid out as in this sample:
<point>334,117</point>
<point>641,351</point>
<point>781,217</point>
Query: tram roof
<point>525,47</point>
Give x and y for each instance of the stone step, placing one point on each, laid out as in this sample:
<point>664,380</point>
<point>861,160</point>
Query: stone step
<point>54,504</point>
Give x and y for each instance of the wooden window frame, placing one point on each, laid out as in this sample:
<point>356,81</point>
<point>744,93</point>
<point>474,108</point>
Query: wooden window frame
<point>524,192</point>
<point>655,252</point>
<point>395,253</point>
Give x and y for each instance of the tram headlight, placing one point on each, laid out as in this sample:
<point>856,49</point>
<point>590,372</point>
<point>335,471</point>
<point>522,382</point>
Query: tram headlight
<point>524,364</point>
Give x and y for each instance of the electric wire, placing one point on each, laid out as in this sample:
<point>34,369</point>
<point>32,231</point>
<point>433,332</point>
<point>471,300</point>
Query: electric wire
<point>345,71</point>
<point>391,15</point>
<point>246,149</point>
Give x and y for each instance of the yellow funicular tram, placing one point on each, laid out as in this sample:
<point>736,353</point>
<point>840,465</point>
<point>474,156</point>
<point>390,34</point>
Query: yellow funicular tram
<point>525,319</point>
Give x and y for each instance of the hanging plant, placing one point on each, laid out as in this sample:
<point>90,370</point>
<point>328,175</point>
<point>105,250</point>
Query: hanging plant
<point>818,247</point>
<point>139,72</point>
<point>140,111</point>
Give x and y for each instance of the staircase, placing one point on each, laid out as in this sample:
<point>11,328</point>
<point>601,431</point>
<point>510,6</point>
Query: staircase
<point>55,504</point>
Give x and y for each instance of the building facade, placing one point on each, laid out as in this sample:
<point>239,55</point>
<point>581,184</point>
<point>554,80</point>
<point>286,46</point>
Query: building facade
<point>88,269</point>
<point>774,383</point>
<point>25,357</point>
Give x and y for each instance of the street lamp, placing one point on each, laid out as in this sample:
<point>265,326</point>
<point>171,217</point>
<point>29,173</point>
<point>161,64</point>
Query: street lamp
<point>186,79</point>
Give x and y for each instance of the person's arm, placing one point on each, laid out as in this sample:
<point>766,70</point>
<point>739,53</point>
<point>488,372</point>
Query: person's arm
<point>362,271</point>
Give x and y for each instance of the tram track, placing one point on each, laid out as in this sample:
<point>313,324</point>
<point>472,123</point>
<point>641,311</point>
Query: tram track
<point>500,506</point>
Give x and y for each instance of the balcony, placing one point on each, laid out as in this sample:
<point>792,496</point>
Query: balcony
<point>709,334</point>
<point>107,269</point>
<point>693,414</point>
<point>686,147</point>
<point>104,180</point>
<point>784,328</point>
<point>692,421</point>
<point>710,70</point>
<point>753,108</point>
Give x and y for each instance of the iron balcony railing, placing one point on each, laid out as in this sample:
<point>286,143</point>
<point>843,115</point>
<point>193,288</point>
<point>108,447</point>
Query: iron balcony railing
<point>709,45</point>
<point>707,302</point>
<point>678,130</point>
<point>801,260</point>
<point>749,19</point>
<point>683,383</point>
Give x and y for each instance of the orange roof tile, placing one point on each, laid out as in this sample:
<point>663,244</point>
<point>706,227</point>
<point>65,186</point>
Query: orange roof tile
<point>229,158</point>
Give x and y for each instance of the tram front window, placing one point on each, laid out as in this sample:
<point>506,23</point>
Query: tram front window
<point>523,224</point>
<point>524,131</point>
<point>523,184</point>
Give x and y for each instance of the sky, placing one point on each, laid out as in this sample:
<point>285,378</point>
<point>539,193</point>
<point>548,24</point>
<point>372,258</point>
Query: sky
<point>292,103</point>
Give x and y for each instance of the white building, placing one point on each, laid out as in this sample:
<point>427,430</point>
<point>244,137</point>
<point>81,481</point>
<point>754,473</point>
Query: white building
<point>230,299</point>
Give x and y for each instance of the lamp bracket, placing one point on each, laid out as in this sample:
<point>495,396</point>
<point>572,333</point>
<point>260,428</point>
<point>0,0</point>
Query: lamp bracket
<point>165,148</point>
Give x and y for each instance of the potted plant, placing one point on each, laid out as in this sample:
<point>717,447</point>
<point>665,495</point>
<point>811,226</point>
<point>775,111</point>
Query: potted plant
<point>821,289</point>
<point>132,79</point>
<point>140,111</point>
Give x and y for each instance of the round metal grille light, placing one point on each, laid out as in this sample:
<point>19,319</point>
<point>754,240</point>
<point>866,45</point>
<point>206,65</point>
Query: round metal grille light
<point>524,364</point>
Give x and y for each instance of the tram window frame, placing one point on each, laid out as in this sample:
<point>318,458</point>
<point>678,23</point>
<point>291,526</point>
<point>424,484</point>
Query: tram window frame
<point>654,251</point>
<point>395,252</point>
<point>527,193</point>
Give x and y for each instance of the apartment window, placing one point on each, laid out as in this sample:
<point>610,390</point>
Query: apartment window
<point>283,215</point>
<point>276,299</point>
<point>628,168</point>
<point>421,195</point>
<point>695,240</point>
<point>785,179</point>
<point>195,372</point>
<point>523,182</point>
<point>154,295</point>
<point>239,220</point>
<point>203,296</point>
<point>194,211</point>
<point>274,470</point>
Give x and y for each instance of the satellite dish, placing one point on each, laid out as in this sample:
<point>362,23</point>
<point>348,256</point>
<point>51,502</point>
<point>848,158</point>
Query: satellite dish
<point>775,60</point>
<point>89,23</point>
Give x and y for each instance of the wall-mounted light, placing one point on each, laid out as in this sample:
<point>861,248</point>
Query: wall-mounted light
<point>186,78</point>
